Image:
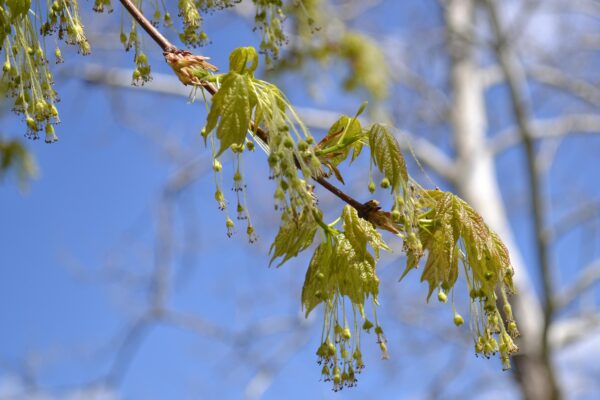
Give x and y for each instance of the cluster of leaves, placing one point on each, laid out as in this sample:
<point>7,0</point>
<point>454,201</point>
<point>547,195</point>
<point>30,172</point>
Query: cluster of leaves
<point>242,99</point>
<point>314,38</point>
<point>451,231</point>
<point>25,69</point>
<point>246,112</point>
<point>342,269</point>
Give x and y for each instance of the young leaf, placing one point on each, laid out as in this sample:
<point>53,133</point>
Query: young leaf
<point>231,109</point>
<point>239,59</point>
<point>294,236</point>
<point>387,156</point>
<point>318,285</point>
<point>359,232</point>
<point>345,134</point>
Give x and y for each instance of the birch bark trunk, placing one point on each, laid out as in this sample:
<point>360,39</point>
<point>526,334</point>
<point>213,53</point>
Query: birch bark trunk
<point>478,185</point>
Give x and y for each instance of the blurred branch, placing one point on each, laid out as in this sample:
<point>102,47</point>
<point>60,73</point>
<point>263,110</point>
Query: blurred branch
<point>570,85</point>
<point>572,220</point>
<point>516,82</point>
<point>547,129</point>
<point>164,84</point>
<point>587,278</point>
<point>569,331</point>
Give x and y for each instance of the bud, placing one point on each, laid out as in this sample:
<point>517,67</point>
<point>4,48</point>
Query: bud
<point>367,325</point>
<point>442,297</point>
<point>346,333</point>
<point>217,166</point>
<point>458,319</point>
<point>371,186</point>
<point>385,183</point>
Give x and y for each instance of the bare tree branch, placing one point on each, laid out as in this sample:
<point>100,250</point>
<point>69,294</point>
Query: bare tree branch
<point>516,80</point>
<point>569,331</point>
<point>587,278</point>
<point>559,79</point>
<point>572,220</point>
<point>547,129</point>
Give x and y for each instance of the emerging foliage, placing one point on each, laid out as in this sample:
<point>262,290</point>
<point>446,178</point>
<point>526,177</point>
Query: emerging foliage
<point>246,112</point>
<point>294,236</point>
<point>342,268</point>
<point>386,154</point>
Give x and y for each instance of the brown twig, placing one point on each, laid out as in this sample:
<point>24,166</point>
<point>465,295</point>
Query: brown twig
<point>368,210</point>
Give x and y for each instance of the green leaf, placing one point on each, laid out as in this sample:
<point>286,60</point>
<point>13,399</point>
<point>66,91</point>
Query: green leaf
<point>317,284</point>
<point>337,266</point>
<point>294,236</point>
<point>345,134</point>
<point>359,232</point>
<point>355,272</point>
<point>456,225</point>
<point>231,109</point>
<point>239,59</point>
<point>386,154</point>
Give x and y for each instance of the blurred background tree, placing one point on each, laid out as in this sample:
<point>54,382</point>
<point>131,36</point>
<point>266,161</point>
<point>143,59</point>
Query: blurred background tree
<point>118,280</point>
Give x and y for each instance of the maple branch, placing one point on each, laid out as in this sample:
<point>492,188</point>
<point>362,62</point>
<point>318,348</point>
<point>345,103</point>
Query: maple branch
<point>369,210</point>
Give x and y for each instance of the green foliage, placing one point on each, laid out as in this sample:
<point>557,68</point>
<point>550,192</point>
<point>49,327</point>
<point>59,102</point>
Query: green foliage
<point>451,232</point>
<point>25,67</point>
<point>342,268</point>
<point>232,110</point>
<point>14,156</point>
<point>246,112</point>
<point>295,235</point>
<point>386,154</point>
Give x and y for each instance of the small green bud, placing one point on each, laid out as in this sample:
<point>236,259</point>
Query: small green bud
<point>396,215</point>
<point>385,183</point>
<point>371,186</point>
<point>442,297</point>
<point>217,166</point>
<point>288,143</point>
<point>6,66</point>
<point>142,58</point>
<point>346,333</point>
<point>237,177</point>
<point>250,145</point>
<point>302,145</point>
<point>367,325</point>
<point>458,319</point>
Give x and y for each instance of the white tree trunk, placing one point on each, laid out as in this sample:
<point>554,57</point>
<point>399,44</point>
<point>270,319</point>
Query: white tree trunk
<point>477,184</point>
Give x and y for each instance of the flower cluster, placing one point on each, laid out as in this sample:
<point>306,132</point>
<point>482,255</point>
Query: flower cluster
<point>339,353</point>
<point>268,19</point>
<point>25,65</point>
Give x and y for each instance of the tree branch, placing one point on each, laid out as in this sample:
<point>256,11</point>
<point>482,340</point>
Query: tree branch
<point>515,79</point>
<point>573,219</point>
<point>368,210</point>
<point>547,129</point>
<point>573,86</point>
<point>589,276</point>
